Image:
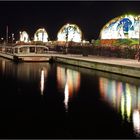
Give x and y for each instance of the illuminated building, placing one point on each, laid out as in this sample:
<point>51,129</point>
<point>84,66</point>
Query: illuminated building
<point>24,37</point>
<point>41,35</point>
<point>122,27</point>
<point>70,32</point>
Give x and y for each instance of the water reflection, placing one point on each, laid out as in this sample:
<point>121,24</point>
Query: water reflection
<point>3,66</point>
<point>124,97</point>
<point>136,120</point>
<point>42,82</point>
<point>66,96</point>
<point>68,83</point>
<point>25,72</point>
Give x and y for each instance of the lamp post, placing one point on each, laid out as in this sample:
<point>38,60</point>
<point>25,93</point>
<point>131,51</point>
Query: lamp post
<point>2,40</point>
<point>19,36</point>
<point>12,38</point>
<point>67,34</point>
<point>7,34</point>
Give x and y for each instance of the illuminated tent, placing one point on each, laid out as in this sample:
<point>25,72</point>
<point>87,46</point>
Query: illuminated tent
<point>24,37</point>
<point>70,32</point>
<point>122,27</point>
<point>41,35</point>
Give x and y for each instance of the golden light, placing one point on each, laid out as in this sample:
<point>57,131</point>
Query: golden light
<point>70,32</point>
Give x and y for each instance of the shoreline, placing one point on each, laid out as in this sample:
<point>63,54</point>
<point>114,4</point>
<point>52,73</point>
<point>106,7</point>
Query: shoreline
<point>127,67</point>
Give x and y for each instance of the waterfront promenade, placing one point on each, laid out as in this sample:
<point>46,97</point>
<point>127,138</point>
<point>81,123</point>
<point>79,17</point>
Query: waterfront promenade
<point>128,67</point>
<point>106,60</point>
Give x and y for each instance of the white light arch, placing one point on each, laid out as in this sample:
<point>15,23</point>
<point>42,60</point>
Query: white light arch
<point>41,35</point>
<point>122,27</point>
<point>24,37</point>
<point>70,32</point>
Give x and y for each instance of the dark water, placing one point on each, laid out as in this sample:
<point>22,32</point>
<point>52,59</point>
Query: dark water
<point>42,100</point>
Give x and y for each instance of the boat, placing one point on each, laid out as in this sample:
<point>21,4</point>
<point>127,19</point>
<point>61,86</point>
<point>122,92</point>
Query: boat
<point>36,53</point>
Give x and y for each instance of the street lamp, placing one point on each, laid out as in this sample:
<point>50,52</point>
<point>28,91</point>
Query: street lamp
<point>12,38</point>
<point>67,35</point>
<point>2,39</point>
<point>7,34</point>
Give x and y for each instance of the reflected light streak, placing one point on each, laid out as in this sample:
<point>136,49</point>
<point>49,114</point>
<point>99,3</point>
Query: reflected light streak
<point>122,106</point>
<point>114,93</point>
<point>3,66</point>
<point>71,77</point>
<point>128,101</point>
<point>66,96</point>
<point>103,82</point>
<point>61,80</point>
<point>68,82</point>
<point>119,93</point>
<point>42,82</point>
<point>126,98</point>
<point>136,121</point>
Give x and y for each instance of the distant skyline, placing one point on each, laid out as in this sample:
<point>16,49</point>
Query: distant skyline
<point>90,16</point>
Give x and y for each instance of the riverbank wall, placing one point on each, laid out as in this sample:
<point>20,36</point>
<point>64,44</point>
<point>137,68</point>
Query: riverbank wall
<point>117,67</point>
<point>121,68</point>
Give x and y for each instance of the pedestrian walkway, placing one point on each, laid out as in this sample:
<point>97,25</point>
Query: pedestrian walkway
<point>108,60</point>
<point>128,67</point>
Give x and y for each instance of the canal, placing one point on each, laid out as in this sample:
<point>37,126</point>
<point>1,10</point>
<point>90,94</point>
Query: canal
<point>42,100</point>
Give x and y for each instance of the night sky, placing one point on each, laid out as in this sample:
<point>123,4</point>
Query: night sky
<point>90,16</point>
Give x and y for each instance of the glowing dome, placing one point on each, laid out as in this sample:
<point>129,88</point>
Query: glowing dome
<point>123,27</point>
<point>41,35</point>
<point>70,32</point>
<point>24,37</point>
